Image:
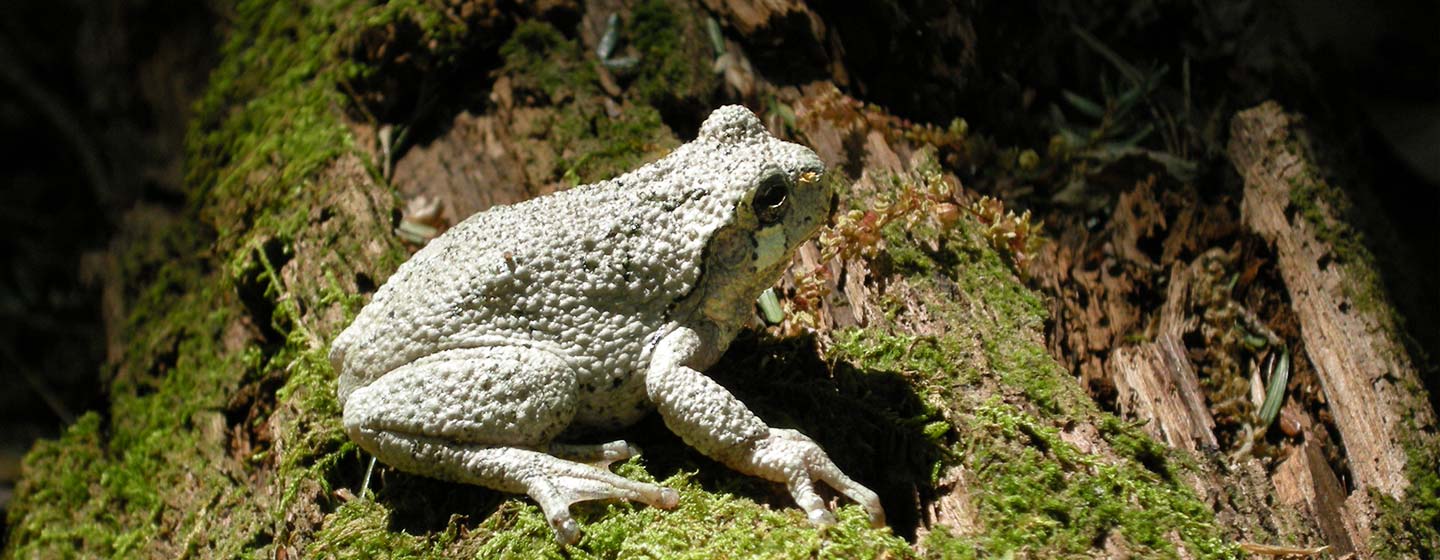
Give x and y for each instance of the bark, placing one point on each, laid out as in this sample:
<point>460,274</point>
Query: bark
<point>1346,323</point>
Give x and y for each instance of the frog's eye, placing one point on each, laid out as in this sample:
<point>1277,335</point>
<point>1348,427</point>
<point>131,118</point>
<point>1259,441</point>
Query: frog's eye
<point>770,199</point>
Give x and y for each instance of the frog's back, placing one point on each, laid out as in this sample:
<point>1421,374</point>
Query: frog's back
<point>587,274</point>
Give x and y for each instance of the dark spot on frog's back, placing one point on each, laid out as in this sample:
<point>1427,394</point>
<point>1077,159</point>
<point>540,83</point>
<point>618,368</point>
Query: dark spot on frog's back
<point>615,382</point>
<point>670,204</point>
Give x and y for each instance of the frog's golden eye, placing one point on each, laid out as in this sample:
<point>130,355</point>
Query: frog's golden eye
<point>771,197</point>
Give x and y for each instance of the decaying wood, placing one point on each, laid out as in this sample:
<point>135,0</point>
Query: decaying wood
<point>1156,382</point>
<point>1306,481</point>
<point>1366,375</point>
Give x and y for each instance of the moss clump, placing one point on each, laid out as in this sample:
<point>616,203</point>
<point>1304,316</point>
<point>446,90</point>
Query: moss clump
<point>362,529</point>
<point>929,360</point>
<point>597,146</point>
<point>1059,500</point>
<point>1410,527</point>
<point>593,141</point>
<point>215,330</point>
<point>61,472</point>
<point>540,60</point>
<point>705,525</point>
<point>675,60</point>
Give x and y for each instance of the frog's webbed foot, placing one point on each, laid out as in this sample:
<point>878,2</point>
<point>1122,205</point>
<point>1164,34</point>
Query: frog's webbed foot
<point>552,482</point>
<point>790,457</point>
<point>564,483</point>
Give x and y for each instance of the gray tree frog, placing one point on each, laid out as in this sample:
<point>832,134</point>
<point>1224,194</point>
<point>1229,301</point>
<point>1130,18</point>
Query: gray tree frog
<point>583,311</point>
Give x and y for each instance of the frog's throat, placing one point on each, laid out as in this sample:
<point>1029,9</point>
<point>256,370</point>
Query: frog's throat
<point>770,247</point>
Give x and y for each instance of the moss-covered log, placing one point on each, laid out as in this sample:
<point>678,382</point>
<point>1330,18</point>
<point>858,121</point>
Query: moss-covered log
<point>336,134</point>
<point>1351,334</point>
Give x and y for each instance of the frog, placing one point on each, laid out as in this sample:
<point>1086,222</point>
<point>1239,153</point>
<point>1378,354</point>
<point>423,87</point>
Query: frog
<point>490,354</point>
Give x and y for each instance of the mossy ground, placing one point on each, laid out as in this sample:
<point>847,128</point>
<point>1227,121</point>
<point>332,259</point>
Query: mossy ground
<point>222,437</point>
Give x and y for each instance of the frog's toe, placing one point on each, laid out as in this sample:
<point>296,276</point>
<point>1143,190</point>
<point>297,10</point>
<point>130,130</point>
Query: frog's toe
<point>821,518</point>
<point>866,497</point>
<point>601,455</point>
<point>567,531</point>
<point>791,457</point>
<point>669,498</point>
<point>877,515</point>
<point>618,450</point>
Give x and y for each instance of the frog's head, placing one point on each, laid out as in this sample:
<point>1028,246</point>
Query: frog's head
<point>775,201</point>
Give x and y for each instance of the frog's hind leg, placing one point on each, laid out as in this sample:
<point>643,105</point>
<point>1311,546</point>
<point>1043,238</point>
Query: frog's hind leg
<point>478,416</point>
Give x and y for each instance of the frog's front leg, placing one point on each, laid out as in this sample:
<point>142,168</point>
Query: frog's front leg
<point>485,416</point>
<point>716,423</point>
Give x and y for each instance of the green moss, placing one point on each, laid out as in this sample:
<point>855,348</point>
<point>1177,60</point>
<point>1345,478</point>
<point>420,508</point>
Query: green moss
<point>61,472</point>
<point>161,481</point>
<point>361,529</point>
<point>540,60</point>
<point>597,139</point>
<point>594,141</point>
<point>1410,527</point>
<point>907,257</point>
<point>705,525</point>
<point>674,56</point>
<point>604,146</point>
<point>926,360</point>
<point>267,123</point>
<point>1058,500</point>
